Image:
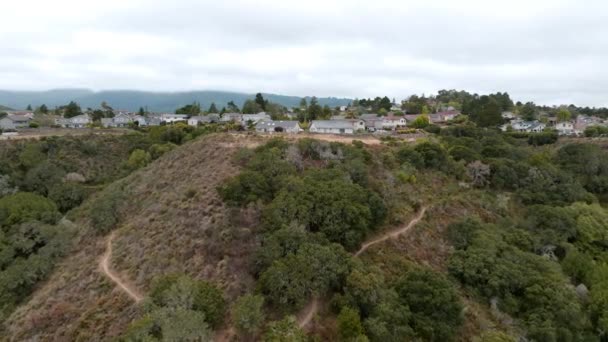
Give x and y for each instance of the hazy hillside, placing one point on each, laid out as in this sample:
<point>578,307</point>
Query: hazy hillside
<point>3,108</point>
<point>132,100</point>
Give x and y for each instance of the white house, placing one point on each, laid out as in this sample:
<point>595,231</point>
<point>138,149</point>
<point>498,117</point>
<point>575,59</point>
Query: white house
<point>236,117</point>
<point>443,116</point>
<point>171,118</point>
<point>565,128</point>
<point>528,126</point>
<point>337,126</point>
<point>393,122</point>
<point>123,120</point>
<point>210,118</point>
<point>270,126</point>
<point>79,121</point>
<point>255,118</point>
<point>508,115</point>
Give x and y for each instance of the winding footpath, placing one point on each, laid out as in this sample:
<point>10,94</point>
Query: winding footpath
<point>311,309</point>
<point>104,265</point>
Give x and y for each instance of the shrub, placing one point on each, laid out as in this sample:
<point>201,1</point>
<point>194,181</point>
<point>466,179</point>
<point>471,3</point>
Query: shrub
<point>248,314</point>
<point>67,196</point>
<point>138,159</point>
<point>433,129</point>
<point>157,150</point>
<point>434,303</point>
<point>193,295</point>
<point>544,138</point>
<point>421,121</point>
<point>349,325</point>
<point>23,206</point>
<point>105,211</point>
<point>284,330</point>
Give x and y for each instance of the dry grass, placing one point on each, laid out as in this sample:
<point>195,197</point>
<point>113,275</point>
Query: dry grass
<point>174,222</point>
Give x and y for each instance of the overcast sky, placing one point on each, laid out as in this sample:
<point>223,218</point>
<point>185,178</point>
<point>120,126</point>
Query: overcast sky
<point>549,51</point>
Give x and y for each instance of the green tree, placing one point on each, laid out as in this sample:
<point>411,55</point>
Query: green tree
<point>180,291</point>
<point>212,108</point>
<point>248,314</point>
<point>72,110</point>
<point>421,121</point>
<point>24,206</point>
<point>563,114</point>
<point>314,109</point>
<point>67,195</point>
<point>191,109</point>
<point>232,108</point>
<point>284,330</point>
<point>259,100</point>
<point>349,325</point>
<point>434,303</point>
<point>528,111</point>
<point>251,107</point>
<point>43,109</point>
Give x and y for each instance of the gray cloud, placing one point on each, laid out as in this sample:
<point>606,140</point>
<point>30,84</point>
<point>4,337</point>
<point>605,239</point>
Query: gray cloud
<point>551,52</point>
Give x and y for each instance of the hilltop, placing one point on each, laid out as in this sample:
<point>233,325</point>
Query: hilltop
<point>154,101</point>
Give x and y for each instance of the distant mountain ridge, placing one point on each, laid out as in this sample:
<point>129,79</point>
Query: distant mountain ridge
<point>154,101</point>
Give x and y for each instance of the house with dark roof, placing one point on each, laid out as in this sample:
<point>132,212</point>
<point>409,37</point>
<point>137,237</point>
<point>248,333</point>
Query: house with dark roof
<point>14,121</point>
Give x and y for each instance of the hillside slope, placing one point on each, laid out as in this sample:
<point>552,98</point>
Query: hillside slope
<point>155,101</point>
<point>172,221</point>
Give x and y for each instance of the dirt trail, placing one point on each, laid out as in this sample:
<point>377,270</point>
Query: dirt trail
<point>308,312</point>
<point>392,234</point>
<point>311,309</point>
<point>104,265</point>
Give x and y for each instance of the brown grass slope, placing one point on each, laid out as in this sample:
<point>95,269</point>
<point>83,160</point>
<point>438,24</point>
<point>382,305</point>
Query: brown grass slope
<point>172,221</point>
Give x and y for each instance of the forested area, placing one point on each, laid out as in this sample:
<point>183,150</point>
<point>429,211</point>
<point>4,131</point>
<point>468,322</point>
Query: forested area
<point>540,260</point>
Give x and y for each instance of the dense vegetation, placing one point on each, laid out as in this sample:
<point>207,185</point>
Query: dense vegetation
<point>41,181</point>
<point>531,251</point>
<point>540,258</point>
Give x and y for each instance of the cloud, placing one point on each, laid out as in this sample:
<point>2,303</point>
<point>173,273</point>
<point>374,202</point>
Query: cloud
<point>551,52</point>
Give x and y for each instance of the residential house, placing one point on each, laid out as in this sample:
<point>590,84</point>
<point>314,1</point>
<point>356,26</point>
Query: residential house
<point>14,121</point>
<point>337,126</point>
<point>210,118</point>
<point>124,120</point>
<point>528,126</point>
<point>79,121</point>
<point>508,115</point>
<point>171,118</point>
<point>338,117</point>
<point>393,122</point>
<point>7,124</point>
<point>343,108</point>
<point>270,126</point>
<point>584,121</point>
<point>236,117</point>
<point>445,116</point>
<point>255,118</point>
<point>411,117</point>
<point>565,128</point>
